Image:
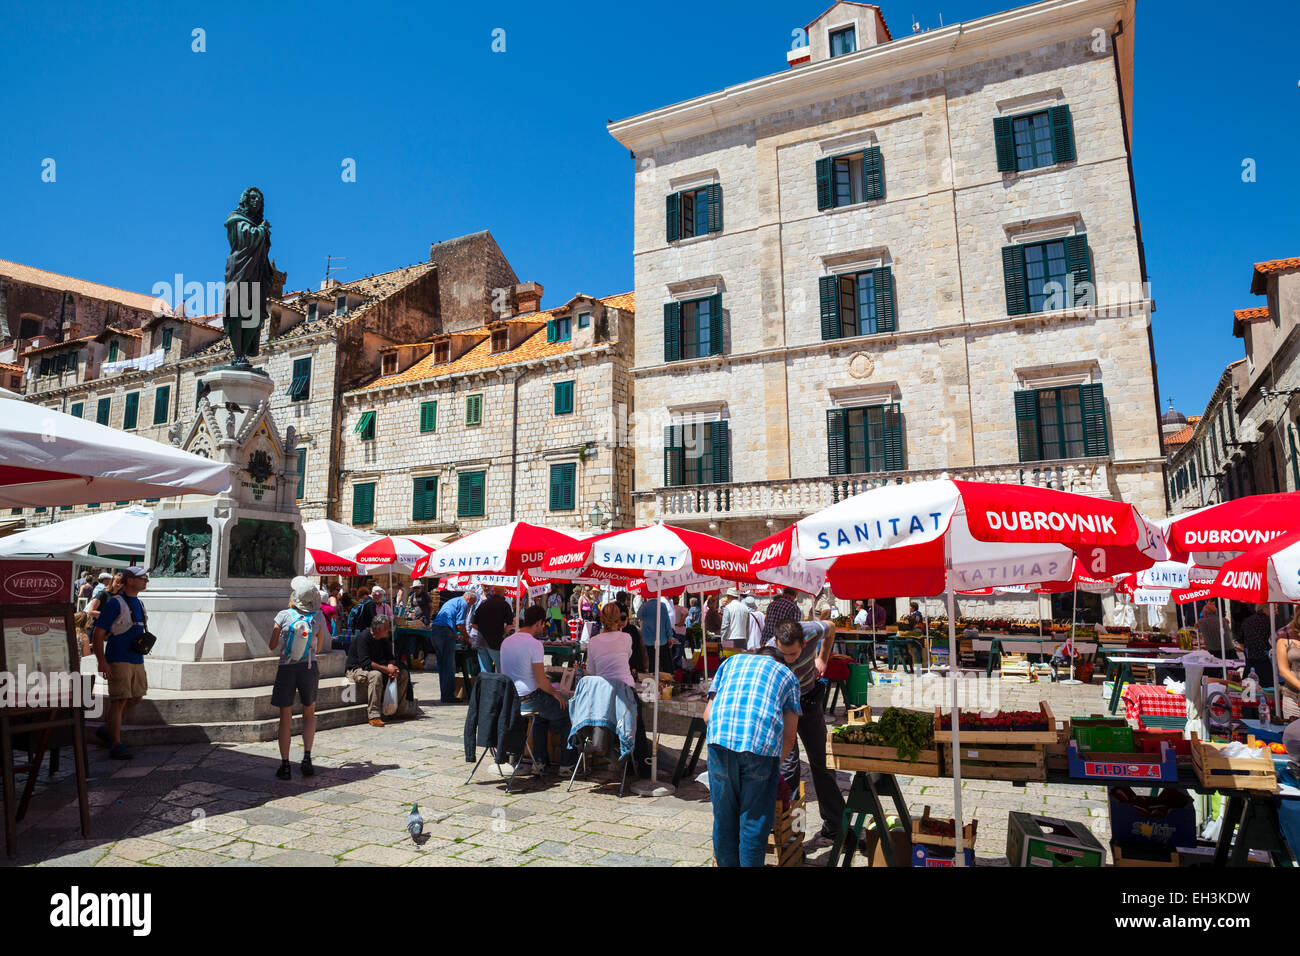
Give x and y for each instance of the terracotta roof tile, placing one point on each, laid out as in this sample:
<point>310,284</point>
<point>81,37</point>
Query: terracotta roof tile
<point>624,300</point>
<point>1182,436</point>
<point>5,366</point>
<point>1242,316</point>
<point>54,346</point>
<point>1259,278</point>
<point>93,290</point>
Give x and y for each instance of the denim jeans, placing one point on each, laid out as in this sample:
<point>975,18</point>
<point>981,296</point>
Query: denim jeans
<point>444,646</point>
<point>742,789</point>
<point>550,717</point>
<point>489,661</point>
<point>812,731</point>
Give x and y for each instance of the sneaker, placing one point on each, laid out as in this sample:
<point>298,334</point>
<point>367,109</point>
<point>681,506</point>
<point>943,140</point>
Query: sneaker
<point>119,752</point>
<point>307,769</point>
<point>284,773</point>
<point>376,722</point>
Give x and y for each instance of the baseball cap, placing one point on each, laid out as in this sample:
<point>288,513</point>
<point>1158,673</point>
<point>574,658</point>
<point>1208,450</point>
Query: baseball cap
<point>417,584</point>
<point>135,571</point>
<point>105,576</point>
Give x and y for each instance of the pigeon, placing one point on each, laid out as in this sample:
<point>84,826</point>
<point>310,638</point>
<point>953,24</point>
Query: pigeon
<point>415,822</point>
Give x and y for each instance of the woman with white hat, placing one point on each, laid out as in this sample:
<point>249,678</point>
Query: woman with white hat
<point>304,632</point>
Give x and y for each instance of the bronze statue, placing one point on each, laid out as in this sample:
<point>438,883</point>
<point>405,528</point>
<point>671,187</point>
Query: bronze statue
<point>250,276</point>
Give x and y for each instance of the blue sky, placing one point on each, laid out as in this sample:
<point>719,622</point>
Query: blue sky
<point>153,142</point>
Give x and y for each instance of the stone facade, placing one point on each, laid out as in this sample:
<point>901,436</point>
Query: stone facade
<point>514,433</point>
<point>957,357</point>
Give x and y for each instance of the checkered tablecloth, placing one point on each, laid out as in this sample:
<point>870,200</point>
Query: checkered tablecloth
<point>1152,700</point>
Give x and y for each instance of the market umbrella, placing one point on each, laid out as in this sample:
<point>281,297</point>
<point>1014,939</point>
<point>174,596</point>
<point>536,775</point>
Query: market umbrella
<point>121,532</point>
<point>945,535</point>
<point>667,557</point>
<point>49,458</point>
<point>1213,535</point>
<point>327,562</point>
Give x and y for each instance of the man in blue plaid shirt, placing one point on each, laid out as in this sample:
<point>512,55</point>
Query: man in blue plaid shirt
<point>753,716</point>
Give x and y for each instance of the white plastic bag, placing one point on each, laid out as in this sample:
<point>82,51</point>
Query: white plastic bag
<point>390,699</point>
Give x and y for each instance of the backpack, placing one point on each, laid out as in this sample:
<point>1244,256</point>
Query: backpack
<point>354,615</point>
<point>302,627</point>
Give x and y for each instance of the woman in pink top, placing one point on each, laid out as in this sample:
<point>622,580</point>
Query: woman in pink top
<point>609,653</point>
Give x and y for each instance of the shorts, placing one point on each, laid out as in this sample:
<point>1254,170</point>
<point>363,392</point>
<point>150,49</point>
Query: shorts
<point>126,681</point>
<point>295,679</point>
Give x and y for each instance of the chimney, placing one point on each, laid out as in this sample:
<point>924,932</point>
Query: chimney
<point>527,297</point>
<point>798,56</point>
<point>329,284</point>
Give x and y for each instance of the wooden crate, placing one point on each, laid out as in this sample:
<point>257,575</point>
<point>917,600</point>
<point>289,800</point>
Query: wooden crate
<point>1056,755</point>
<point>1123,855</point>
<point>1016,737</point>
<point>998,761</point>
<point>785,842</point>
<point>877,759</point>
<point>1231,773</point>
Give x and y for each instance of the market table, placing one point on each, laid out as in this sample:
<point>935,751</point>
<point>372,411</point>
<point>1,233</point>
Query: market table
<point>1152,700</point>
<point>692,707</point>
<point>1000,645</point>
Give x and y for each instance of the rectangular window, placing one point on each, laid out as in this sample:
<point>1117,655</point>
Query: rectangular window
<point>112,351</point>
<point>366,426</point>
<point>77,410</point>
<point>428,417</point>
<point>584,319</point>
<point>388,364</point>
<point>559,329</point>
<point>469,494</point>
<point>363,503</point>
<point>847,173</point>
<point>167,337</point>
<point>1059,423</point>
<point>162,398</point>
<point>500,341</point>
<point>564,480</point>
<point>93,504</point>
<point>300,383</point>
<point>693,329</point>
<point>121,504</point>
<point>694,212</point>
<point>858,303</point>
<point>311,312</point>
<point>340,304</point>
<point>132,413</point>
<point>1047,276</point>
<point>424,501</point>
<point>40,510</point>
<point>302,473</point>
<point>1034,140</point>
<point>697,454</point>
<point>65,507</point>
<point>563,398</point>
<point>865,439</point>
<point>474,409</point>
<point>844,40</point>
<point>850,178</point>
<point>441,353</point>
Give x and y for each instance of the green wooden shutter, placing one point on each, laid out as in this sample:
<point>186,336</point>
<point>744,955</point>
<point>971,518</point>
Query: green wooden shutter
<point>562,487</point>
<point>550,330</point>
<point>873,173</point>
<point>429,416</point>
<point>882,280</point>
<point>167,337</point>
<point>1095,440</point>
<point>469,494</point>
<point>363,504</point>
<point>829,291</point>
<point>1027,425</point>
<point>476,496</point>
<point>825,197</point>
<point>132,413</point>
<point>302,473</point>
<point>103,410</point>
<point>1005,142</point>
<point>1078,264</point>
<point>78,409</point>
<point>836,444</point>
<point>715,324</point>
<point>474,409</point>
<point>1013,275</point>
<point>300,383</point>
<point>1062,134</point>
<point>893,438</point>
<point>162,398</point>
<point>673,453</point>
<point>424,503</point>
<point>721,440</point>
<point>672,331</point>
<point>563,398</point>
<point>713,193</point>
<point>674,217</point>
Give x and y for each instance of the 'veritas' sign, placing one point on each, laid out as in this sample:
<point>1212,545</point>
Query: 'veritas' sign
<point>25,581</point>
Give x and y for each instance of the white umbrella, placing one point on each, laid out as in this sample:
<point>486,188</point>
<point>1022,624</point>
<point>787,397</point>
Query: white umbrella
<point>49,458</point>
<point>122,531</point>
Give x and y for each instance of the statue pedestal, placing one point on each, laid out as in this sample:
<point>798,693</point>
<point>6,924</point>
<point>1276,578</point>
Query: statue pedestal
<point>220,569</point>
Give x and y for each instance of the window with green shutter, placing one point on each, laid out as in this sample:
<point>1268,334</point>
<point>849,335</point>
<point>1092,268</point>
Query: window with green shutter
<point>300,383</point>
<point>429,416</point>
<point>559,329</point>
<point>697,454</point>
<point>302,474</point>
<point>363,503</point>
<point>693,329</point>
<point>864,439</point>
<point>857,303</point>
<point>564,480</point>
<point>1034,140</point>
<point>424,499</point>
<point>470,494</point>
<point>850,179</point>
<point>162,399</point>
<point>167,337</point>
<point>132,413</point>
<point>844,40</point>
<point>366,426</point>
<point>78,409</point>
<point>1047,276</point>
<point>113,350</point>
<point>563,398</point>
<point>93,504</point>
<point>584,319</point>
<point>694,212</point>
<point>474,409</point>
<point>1059,423</point>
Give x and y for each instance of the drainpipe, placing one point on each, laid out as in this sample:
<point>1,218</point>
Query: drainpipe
<point>514,440</point>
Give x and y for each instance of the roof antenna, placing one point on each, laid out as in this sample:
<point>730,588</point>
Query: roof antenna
<point>331,268</point>
<point>916,27</point>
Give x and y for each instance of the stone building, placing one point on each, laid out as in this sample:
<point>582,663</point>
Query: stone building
<point>129,362</point>
<point>898,259</point>
<point>1208,463</point>
<point>520,418</point>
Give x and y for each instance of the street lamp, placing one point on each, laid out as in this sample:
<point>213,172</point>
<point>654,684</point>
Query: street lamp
<point>597,517</point>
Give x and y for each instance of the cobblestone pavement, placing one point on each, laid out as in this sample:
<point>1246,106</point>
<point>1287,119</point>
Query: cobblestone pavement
<point>221,805</point>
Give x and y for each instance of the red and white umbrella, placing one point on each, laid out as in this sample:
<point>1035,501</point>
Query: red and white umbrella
<point>387,552</point>
<point>1214,535</point>
<point>946,535</point>
<point>326,562</point>
<point>775,559</point>
<point>513,548</point>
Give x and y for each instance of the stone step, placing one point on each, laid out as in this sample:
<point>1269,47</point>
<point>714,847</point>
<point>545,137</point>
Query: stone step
<point>241,704</point>
<point>247,731</point>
